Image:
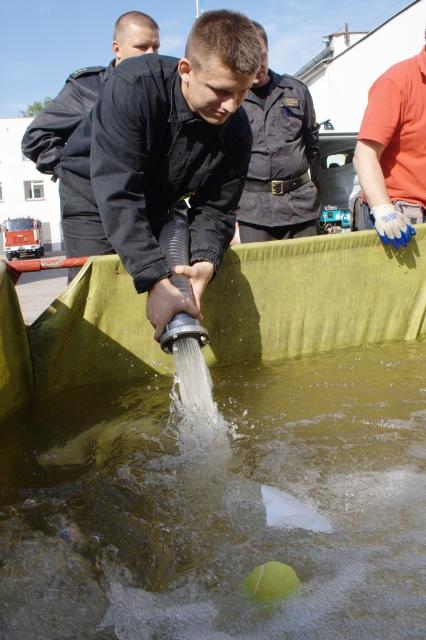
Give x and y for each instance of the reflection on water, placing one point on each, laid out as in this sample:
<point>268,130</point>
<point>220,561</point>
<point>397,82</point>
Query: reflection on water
<point>122,519</point>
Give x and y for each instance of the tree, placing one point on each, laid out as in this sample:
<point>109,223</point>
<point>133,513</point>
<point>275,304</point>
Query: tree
<point>35,108</point>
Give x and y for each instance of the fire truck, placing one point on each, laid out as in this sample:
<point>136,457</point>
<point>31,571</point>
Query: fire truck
<point>22,238</point>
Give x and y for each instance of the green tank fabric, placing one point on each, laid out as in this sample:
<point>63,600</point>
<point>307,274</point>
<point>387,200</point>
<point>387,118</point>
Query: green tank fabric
<point>269,301</point>
<point>16,376</point>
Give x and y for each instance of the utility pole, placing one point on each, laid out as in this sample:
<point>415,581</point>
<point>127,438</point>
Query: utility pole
<point>346,34</point>
<point>198,8</point>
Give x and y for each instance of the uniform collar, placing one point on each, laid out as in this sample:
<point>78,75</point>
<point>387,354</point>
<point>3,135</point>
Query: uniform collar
<point>282,81</point>
<point>179,109</point>
<point>421,60</point>
<point>277,81</point>
<point>110,68</point>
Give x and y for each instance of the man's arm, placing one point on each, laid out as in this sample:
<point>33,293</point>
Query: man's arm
<point>48,133</point>
<point>367,165</point>
<point>310,128</point>
<point>390,224</point>
<point>212,213</point>
<point>118,157</point>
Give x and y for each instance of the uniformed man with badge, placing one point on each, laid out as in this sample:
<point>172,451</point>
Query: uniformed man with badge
<point>64,125</point>
<point>279,200</point>
<point>135,33</point>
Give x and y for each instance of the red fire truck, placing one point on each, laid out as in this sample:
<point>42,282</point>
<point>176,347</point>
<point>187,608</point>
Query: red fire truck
<point>22,238</point>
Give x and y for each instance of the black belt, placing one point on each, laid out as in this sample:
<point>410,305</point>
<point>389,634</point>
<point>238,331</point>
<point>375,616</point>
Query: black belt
<point>277,187</point>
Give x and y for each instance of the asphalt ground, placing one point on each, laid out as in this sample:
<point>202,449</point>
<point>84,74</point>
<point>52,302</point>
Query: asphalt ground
<point>36,290</point>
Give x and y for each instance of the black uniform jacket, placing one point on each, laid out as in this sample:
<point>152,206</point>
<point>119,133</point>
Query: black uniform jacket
<point>48,133</point>
<point>285,141</point>
<point>148,151</point>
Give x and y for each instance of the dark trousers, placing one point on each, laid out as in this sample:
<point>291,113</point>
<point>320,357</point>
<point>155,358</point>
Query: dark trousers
<point>256,233</point>
<point>82,227</point>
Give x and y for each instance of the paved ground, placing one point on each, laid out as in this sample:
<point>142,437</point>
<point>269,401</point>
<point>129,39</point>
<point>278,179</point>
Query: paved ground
<point>37,290</point>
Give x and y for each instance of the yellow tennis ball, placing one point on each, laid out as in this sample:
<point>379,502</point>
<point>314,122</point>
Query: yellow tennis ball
<point>271,582</point>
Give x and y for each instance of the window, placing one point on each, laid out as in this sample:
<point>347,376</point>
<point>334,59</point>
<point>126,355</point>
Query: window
<point>18,224</point>
<point>33,189</point>
<point>1,192</point>
<point>337,159</point>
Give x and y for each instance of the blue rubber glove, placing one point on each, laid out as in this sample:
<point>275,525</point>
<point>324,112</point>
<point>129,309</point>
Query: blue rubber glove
<point>392,226</point>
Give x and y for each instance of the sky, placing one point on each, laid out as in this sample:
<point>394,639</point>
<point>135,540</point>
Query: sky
<point>46,40</point>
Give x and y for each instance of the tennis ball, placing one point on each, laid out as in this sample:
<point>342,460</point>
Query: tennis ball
<point>271,582</point>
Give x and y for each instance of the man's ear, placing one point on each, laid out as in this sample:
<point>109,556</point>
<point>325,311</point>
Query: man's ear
<point>116,49</point>
<point>184,70</point>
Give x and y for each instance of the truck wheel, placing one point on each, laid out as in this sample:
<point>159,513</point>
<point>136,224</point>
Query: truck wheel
<point>8,256</point>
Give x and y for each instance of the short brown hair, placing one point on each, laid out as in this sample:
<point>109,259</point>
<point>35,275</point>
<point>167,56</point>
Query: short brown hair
<point>228,36</point>
<point>133,17</point>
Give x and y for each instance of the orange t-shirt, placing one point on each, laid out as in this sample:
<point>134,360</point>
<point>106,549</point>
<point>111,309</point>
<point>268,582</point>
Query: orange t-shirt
<point>396,117</point>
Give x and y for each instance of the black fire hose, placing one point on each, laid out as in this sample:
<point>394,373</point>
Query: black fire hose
<point>174,241</point>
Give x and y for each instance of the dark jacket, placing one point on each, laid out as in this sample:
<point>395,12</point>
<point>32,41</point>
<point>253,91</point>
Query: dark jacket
<point>48,133</point>
<point>148,151</point>
<point>285,141</point>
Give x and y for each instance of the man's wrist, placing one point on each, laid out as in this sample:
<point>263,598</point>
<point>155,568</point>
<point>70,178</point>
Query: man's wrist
<point>162,283</point>
<point>383,207</point>
<point>147,277</point>
<point>207,255</point>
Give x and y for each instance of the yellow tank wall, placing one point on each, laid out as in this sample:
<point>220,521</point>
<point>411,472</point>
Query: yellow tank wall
<point>15,362</point>
<point>269,301</point>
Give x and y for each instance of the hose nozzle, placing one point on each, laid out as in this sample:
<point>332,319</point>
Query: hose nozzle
<point>174,241</point>
<point>183,326</point>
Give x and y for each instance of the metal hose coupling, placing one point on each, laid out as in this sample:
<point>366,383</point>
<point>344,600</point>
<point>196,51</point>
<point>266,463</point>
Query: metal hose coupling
<point>174,241</point>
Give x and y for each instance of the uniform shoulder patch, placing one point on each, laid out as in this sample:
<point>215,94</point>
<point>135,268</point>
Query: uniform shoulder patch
<point>84,71</point>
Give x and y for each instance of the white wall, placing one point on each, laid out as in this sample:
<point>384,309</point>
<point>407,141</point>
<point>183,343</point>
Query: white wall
<point>14,170</point>
<point>340,88</point>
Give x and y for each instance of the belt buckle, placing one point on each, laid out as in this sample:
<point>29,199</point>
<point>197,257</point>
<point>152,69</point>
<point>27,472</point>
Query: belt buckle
<point>277,187</point>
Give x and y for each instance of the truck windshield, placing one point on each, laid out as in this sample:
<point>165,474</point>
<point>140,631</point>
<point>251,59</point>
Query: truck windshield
<point>18,224</point>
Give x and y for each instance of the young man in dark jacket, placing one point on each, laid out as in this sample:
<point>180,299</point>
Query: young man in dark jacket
<point>164,130</point>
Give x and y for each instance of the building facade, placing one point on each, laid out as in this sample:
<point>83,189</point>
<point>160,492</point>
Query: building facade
<point>24,191</point>
<point>340,76</point>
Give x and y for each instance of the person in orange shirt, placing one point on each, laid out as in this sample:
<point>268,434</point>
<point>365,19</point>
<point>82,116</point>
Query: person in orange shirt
<point>390,155</point>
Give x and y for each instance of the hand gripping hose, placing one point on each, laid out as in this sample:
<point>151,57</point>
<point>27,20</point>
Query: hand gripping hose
<point>174,241</point>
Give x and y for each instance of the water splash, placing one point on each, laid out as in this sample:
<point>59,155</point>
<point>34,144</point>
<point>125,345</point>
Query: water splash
<point>201,433</point>
<point>193,377</point>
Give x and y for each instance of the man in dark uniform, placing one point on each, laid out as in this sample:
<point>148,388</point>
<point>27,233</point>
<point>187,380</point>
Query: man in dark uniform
<point>165,130</point>
<point>64,122</point>
<point>135,33</point>
<point>279,200</point>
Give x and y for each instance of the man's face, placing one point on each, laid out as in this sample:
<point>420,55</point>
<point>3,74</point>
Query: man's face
<point>136,41</point>
<point>213,90</point>
<point>262,76</point>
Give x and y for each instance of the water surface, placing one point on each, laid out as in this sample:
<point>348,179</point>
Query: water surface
<point>119,519</point>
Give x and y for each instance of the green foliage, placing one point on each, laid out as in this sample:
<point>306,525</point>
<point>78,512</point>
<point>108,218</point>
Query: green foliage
<point>35,108</point>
